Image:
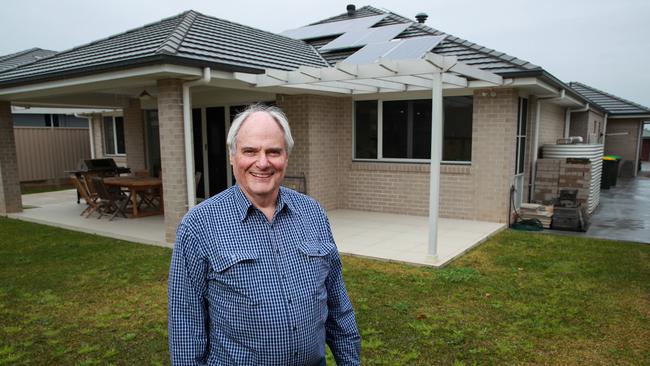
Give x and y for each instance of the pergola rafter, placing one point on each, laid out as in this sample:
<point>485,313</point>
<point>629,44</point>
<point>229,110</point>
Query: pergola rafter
<point>432,72</point>
<point>381,76</point>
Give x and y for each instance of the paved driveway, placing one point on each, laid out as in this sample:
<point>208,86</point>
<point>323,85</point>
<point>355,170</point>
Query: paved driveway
<point>624,211</point>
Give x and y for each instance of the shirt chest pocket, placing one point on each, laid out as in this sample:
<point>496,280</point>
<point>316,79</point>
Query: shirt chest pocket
<point>234,279</point>
<point>316,255</point>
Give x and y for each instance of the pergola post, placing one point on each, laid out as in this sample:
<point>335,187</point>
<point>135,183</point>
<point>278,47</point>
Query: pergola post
<point>436,156</point>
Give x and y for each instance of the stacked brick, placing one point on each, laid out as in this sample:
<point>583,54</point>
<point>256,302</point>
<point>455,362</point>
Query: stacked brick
<point>554,175</point>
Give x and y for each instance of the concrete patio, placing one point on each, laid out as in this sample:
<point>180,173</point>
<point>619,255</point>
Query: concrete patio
<point>390,237</point>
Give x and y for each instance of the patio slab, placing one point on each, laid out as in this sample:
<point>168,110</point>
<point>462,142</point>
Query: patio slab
<point>390,237</point>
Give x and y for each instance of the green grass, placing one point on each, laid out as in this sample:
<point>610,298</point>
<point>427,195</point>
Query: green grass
<point>69,298</point>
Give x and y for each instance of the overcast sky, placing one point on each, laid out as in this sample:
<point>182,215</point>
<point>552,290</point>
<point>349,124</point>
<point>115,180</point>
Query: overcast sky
<point>602,43</point>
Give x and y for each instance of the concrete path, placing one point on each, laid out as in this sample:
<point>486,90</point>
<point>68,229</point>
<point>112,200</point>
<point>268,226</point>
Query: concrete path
<point>624,212</point>
<point>390,237</point>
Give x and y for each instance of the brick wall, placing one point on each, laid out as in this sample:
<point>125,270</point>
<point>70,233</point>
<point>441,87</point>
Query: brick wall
<point>10,200</point>
<point>588,125</point>
<point>580,125</point>
<point>493,152</point>
<point>172,153</point>
<point>479,191</point>
<point>315,122</point>
<point>551,126</point>
<point>322,129</point>
<point>98,140</point>
<point>554,175</point>
<point>626,144</point>
<point>134,135</point>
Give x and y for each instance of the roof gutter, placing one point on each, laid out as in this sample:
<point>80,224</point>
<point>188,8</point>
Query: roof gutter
<point>187,132</point>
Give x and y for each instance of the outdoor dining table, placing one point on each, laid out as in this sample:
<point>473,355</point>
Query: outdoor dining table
<point>139,186</point>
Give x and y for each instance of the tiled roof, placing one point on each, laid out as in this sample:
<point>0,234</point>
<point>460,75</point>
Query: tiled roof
<point>466,51</point>
<point>613,105</point>
<point>188,38</point>
<point>23,57</point>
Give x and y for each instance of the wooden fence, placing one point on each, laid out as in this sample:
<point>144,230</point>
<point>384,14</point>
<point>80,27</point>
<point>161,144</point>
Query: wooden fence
<point>45,153</point>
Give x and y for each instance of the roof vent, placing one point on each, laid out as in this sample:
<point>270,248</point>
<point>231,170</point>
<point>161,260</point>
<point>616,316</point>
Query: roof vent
<point>421,17</point>
<point>351,9</point>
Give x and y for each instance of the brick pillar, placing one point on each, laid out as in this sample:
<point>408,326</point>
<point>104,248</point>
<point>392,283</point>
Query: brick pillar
<point>10,200</point>
<point>134,135</point>
<point>98,135</point>
<point>172,153</point>
<point>493,152</point>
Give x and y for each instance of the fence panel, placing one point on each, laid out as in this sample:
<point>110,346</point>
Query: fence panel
<point>45,153</point>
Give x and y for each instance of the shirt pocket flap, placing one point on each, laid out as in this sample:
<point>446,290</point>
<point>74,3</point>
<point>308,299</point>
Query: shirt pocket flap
<point>226,260</point>
<point>317,248</point>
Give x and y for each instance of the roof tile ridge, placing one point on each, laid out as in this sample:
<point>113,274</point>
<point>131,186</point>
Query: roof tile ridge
<point>18,54</point>
<point>100,40</point>
<point>36,59</point>
<point>174,40</point>
<point>620,99</point>
<point>379,11</point>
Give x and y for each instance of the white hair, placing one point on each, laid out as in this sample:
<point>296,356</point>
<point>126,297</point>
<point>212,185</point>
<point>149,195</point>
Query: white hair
<point>273,111</point>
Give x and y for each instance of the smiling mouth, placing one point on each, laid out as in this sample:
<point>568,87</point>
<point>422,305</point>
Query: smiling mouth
<point>261,175</point>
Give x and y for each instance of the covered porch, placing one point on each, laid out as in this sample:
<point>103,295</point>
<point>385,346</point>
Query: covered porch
<point>384,236</point>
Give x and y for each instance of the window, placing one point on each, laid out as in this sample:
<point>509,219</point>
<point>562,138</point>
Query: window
<point>114,136</point>
<point>405,127</point>
<point>522,120</point>
<point>365,129</point>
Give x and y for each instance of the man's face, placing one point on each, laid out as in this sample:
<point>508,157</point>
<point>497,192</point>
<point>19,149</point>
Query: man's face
<point>261,158</point>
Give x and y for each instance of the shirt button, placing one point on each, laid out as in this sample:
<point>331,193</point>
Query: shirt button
<point>289,301</point>
<point>295,354</point>
<point>295,329</point>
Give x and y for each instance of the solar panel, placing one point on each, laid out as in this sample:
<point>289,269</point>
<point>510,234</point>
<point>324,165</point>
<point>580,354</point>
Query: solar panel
<point>362,37</point>
<point>408,48</point>
<point>333,28</point>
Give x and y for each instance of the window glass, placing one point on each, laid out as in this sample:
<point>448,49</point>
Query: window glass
<point>365,132</point>
<point>421,115</point>
<point>109,136</point>
<point>395,129</point>
<point>406,129</point>
<point>119,132</point>
<point>457,127</point>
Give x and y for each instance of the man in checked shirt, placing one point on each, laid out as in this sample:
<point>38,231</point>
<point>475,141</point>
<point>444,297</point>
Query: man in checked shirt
<point>255,276</point>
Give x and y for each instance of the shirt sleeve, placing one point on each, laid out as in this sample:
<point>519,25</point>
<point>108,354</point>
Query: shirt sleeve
<point>188,320</point>
<point>341,328</point>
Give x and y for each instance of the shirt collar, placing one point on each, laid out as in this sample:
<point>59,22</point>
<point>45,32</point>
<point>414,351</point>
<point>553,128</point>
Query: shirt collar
<point>244,205</point>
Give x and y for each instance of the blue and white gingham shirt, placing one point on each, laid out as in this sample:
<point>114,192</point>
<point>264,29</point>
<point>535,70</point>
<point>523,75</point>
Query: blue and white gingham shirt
<point>243,291</point>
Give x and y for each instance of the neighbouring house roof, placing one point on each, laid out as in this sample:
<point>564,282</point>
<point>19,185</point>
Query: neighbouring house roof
<point>23,57</point>
<point>189,38</point>
<point>468,52</point>
<point>613,105</point>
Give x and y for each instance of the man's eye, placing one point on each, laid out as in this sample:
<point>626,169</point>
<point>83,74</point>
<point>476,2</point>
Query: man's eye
<point>249,152</point>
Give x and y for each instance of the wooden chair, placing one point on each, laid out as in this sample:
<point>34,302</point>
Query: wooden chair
<point>82,189</point>
<point>109,202</point>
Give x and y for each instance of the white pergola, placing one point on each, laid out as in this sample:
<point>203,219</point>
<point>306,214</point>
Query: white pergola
<point>431,72</point>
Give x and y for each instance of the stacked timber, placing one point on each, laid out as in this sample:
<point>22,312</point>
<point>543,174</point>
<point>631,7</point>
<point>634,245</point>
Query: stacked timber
<point>543,213</point>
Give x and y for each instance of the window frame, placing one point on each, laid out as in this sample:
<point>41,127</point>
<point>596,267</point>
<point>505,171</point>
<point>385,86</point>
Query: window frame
<point>380,126</point>
<point>114,137</point>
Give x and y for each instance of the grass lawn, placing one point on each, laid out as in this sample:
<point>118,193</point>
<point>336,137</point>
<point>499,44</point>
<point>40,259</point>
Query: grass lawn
<point>69,298</point>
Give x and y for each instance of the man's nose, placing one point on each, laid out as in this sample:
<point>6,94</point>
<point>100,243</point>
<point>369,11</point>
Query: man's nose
<point>262,161</point>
